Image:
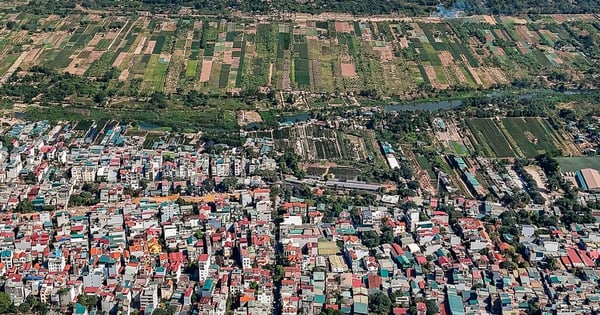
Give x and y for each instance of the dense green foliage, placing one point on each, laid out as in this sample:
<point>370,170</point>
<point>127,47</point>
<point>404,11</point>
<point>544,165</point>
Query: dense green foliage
<point>405,7</point>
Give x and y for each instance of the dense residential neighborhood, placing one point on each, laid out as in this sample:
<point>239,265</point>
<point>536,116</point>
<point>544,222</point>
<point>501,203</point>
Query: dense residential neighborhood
<point>97,221</point>
<point>258,157</point>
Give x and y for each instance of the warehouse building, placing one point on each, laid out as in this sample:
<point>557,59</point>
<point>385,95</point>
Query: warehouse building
<point>588,179</point>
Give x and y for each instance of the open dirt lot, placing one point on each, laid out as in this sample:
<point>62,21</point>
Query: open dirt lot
<point>140,46</point>
<point>446,58</point>
<point>206,68</point>
<point>349,70</point>
<point>79,65</point>
<point>168,26</point>
<point>343,27</point>
<point>119,59</point>
<point>245,117</point>
<point>124,74</point>
<point>385,53</point>
<point>150,47</point>
<point>489,20</point>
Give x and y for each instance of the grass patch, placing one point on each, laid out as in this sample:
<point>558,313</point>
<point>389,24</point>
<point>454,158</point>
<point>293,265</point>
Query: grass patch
<point>490,137</point>
<point>103,44</point>
<point>192,68</point>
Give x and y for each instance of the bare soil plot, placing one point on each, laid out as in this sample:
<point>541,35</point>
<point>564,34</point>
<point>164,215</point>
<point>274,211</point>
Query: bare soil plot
<point>526,34</point>
<point>124,75</point>
<point>286,83</point>
<point>522,48</point>
<point>446,58</point>
<point>500,34</point>
<point>349,70</point>
<point>403,42</point>
<point>433,79</point>
<point>343,27</point>
<point>483,76</point>
<point>496,75</point>
<point>386,53</point>
<point>150,47</point>
<point>31,56</point>
<point>176,67</point>
<point>140,46</point>
<point>489,19</point>
<point>79,65</point>
<point>227,57</point>
<point>14,66</point>
<point>59,38</point>
<point>206,69</point>
<point>94,17</point>
<point>245,117</point>
<point>119,59</point>
<point>164,58</point>
<point>168,26</point>
<point>270,74</point>
<point>95,40</point>
<point>459,74</point>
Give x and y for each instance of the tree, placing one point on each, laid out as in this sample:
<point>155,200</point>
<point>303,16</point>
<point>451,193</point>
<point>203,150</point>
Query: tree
<point>30,179</point>
<point>158,100</point>
<point>89,301</point>
<point>6,305</point>
<point>380,303</point>
<point>370,239</point>
<point>100,96</point>
<point>228,184</point>
<point>160,311</point>
<point>552,263</point>
<point>253,285</point>
<point>25,206</point>
<point>331,311</point>
<point>432,307</point>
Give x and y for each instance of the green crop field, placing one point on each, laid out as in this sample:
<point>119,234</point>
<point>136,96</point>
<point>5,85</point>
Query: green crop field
<point>154,77</point>
<point>532,135</point>
<point>192,68</point>
<point>389,57</point>
<point>490,137</point>
<point>573,164</point>
<point>103,44</point>
<point>459,148</point>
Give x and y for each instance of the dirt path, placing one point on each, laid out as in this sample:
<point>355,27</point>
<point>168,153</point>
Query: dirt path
<point>285,78</point>
<point>117,36</point>
<point>14,67</point>
<point>270,74</point>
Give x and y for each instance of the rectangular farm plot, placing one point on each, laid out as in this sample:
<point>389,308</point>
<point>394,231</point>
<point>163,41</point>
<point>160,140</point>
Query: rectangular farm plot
<point>154,77</point>
<point>206,69</point>
<point>349,70</point>
<point>530,134</point>
<point>192,68</point>
<point>301,73</point>
<point>490,137</point>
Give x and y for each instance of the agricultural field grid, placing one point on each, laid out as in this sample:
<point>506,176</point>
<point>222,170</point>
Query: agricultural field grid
<point>402,57</point>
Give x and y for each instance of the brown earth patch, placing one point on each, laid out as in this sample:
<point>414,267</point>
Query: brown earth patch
<point>124,75</point>
<point>403,42</point>
<point>140,46</point>
<point>489,20</point>
<point>59,38</point>
<point>227,58</point>
<point>119,59</point>
<point>206,69</point>
<point>245,117</point>
<point>342,27</point>
<point>349,70</point>
<point>150,47</point>
<point>446,58</point>
<point>385,53</point>
<point>168,26</point>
